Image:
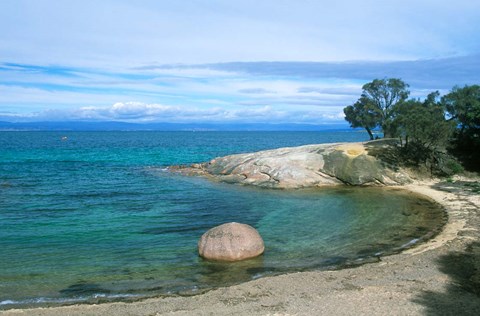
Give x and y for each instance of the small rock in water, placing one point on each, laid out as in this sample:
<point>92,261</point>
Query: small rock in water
<point>231,242</point>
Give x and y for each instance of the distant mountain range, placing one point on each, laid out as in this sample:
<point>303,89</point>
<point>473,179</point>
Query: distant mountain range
<point>124,126</point>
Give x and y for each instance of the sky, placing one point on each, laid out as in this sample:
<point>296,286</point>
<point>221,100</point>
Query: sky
<point>271,61</point>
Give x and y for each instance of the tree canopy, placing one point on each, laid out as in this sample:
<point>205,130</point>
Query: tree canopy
<point>377,105</point>
<point>362,114</point>
<point>463,107</point>
<point>425,128</point>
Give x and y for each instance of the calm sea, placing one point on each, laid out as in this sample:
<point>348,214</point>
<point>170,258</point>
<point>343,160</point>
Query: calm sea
<point>94,216</point>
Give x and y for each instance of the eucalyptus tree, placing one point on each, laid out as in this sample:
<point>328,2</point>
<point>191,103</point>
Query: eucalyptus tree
<point>463,107</point>
<point>362,114</point>
<point>423,125</point>
<point>377,105</point>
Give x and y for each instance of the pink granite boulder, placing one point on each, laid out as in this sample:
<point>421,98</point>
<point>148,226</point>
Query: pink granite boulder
<point>231,242</point>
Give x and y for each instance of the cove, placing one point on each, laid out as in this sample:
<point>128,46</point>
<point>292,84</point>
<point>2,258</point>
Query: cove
<point>143,243</point>
<point>96,218</point>
<point>329,228</point>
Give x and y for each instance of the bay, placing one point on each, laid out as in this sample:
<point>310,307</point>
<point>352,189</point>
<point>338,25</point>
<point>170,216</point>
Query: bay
<point>89,216</point>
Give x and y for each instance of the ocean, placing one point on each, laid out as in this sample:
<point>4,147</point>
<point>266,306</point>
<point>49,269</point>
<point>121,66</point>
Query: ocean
<point>96,216</point>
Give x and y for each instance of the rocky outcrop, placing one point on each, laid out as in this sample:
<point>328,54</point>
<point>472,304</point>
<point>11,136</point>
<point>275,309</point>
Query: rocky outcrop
<point>306,166</point>
<point>231,242</point>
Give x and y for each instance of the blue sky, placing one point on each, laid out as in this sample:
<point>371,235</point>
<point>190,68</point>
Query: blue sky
<point>225,61</point>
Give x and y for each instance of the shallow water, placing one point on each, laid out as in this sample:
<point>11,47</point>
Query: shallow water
<point>96,216</point>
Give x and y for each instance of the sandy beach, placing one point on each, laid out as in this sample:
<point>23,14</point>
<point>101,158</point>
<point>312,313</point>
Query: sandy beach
<point>439,277</point>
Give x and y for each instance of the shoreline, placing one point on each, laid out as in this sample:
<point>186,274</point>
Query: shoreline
<point>436,277</point>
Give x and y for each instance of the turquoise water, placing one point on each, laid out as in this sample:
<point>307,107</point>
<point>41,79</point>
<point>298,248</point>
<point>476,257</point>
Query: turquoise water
<point>97,217</point>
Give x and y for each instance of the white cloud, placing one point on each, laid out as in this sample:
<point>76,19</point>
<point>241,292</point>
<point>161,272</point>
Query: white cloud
<point>33,99</point>
<point>183,71</point>
<point>130,111</point>
<point>136,110</point>
<point>142,113</point>
<point>257,91</point>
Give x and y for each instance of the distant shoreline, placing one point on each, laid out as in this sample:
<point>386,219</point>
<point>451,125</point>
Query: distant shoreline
<point>113,126</point>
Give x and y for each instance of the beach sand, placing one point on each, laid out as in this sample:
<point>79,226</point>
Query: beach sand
<point>439,277</point>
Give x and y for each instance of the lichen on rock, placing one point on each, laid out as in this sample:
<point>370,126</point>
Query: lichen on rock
<point>306,166</point>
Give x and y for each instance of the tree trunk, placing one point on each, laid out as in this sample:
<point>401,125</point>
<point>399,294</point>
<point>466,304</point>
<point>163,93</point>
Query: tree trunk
<point>369,133</point>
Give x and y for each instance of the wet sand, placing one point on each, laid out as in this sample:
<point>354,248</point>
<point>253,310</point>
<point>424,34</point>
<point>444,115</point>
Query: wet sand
<point>439,277</point>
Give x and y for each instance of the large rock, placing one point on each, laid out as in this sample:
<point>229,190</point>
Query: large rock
<point>231,242</point>
<point>307,166</point>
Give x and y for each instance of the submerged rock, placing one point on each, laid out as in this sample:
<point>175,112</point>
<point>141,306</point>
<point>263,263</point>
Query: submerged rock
<point>231,242</point>
<point>306,166</point>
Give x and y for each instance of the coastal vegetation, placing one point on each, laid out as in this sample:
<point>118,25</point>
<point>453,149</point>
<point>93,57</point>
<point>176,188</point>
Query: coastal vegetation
<point>436,132</point>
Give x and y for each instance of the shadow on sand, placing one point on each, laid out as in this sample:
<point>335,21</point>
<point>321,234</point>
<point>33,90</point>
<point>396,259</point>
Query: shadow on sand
<point>462,294</point>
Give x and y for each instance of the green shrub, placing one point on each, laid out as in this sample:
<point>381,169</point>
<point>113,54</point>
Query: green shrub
<point>454,167</point>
